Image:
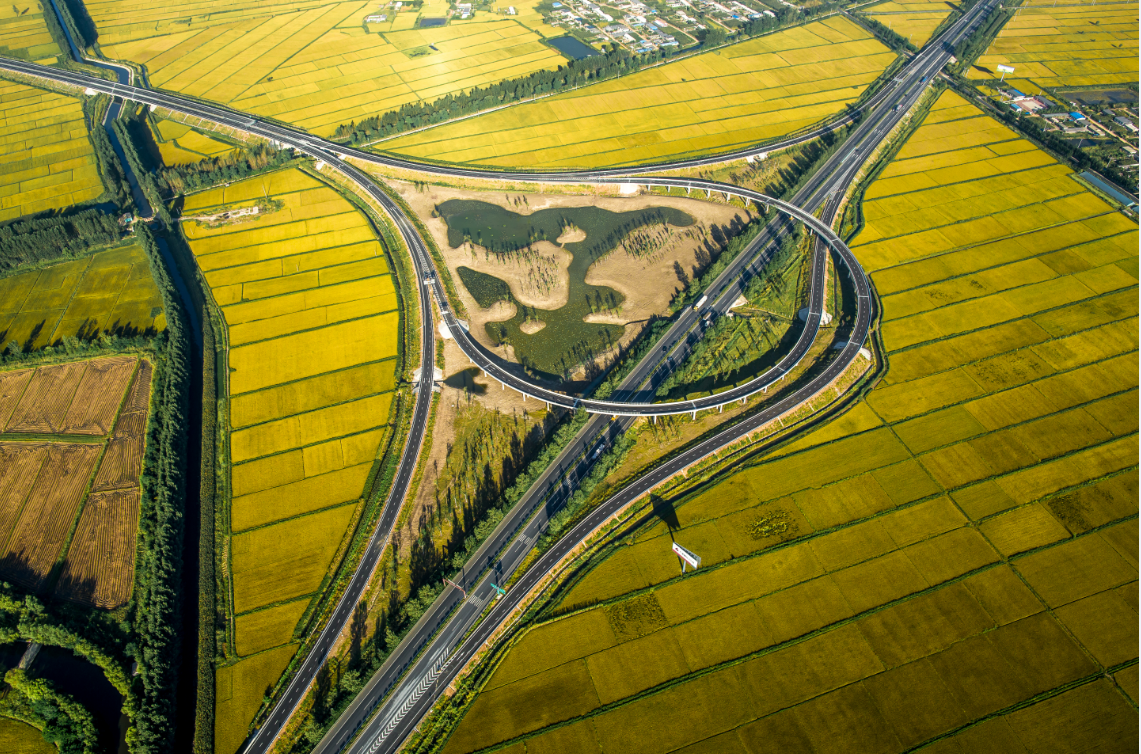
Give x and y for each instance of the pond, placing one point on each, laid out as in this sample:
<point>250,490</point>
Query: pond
<point>572,48</point>
<point>427,22</point>
<point>82,681</point>
<point>566,340</point>
<point>1091,97</point>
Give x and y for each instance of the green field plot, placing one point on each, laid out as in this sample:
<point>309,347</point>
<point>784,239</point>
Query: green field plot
<point>311,317</point>
<point>109,292</point>
<point>24,34</point>
<point>313,63</point>
<point>759,89</point>
<point>1071,45</point>
<point>955,556</point>
<point>47,160</point>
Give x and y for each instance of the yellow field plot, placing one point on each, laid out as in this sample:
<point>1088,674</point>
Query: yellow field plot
<point>300,497</point>
<point>179,144</point>
<point>312,63</point>
<point>111,291</point>
<point>239,689</point>
<point>300,430</point>
<point>913,21</point>
<point>269,627</point>
<point>314,393</point>
<point>974,518</point>
<point>24,34</point>
<point>1065,46</point>
<point>266,572</point>
<point>46,157</point>
<point>312,324</point>
<point>786,81</point>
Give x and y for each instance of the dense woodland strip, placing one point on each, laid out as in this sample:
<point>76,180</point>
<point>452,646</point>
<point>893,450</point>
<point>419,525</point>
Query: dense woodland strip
<point>157,594</point>
<point>613,62</point>
<point>227,168</point>
<point>57,237</point>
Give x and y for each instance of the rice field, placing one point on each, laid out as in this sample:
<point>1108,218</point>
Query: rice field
<point>759,89</point>
<point>45,485</point>
<point>914,21</point>
<point>179,144</point>
<point>47,160</point>
<point>24,33</point>
<point>314,63</point>
<point>311,317</point>
<point>1071,45</point>
<point>109,292</point>
<point>957,554</point>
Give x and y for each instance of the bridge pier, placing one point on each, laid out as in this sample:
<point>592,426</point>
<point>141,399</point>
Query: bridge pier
<point>721,408</point>
<point>695,414</point>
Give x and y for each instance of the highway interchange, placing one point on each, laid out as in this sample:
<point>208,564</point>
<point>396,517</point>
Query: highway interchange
<point>451,632</point>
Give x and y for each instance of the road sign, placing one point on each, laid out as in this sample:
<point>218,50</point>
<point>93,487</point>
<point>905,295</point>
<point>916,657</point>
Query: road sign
<point>1005,68</point>
<point>686,556</point>
<point>498,592</point>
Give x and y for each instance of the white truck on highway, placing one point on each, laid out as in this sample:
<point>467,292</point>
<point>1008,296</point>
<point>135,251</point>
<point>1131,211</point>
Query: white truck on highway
<point>700,303</point>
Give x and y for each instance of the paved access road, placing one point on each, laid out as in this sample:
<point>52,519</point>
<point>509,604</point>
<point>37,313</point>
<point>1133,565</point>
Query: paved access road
<point>419,687</point>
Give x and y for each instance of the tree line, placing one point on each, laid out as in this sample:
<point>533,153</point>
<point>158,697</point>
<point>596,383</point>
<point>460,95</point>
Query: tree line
<point>60,236</point>
<point>614,61</point>
<point>887,35</point>
<point>157,598</point>
<point>232,166</point>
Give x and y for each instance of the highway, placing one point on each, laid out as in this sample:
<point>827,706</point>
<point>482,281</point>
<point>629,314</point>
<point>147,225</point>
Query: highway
<point>418,671</point>
<point>450,619</point>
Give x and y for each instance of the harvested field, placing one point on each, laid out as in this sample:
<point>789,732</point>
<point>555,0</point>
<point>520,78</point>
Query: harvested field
<point>97,399</point>
<point>961,549</point>
<point>123,460</point>
<point>1070,45</point>
<point>100,565</point>
<point>43,406</point>
<point>313,64</point>
<point>19,466</point>
<point>43,484</point>
<point>759,89</point>
<point>81,397</point>
<point>108,292</point>
<point>12,386</point>
<point>34,542</point>
<point>47,160</point>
